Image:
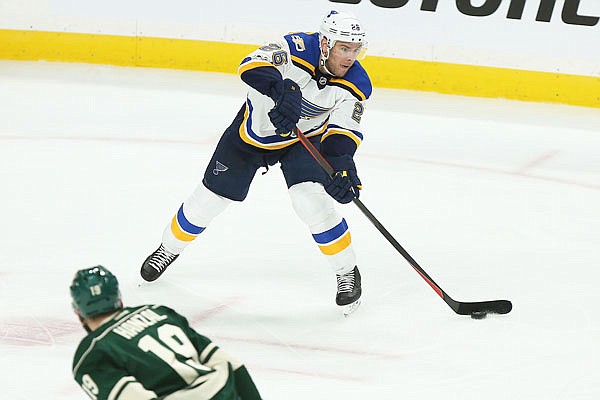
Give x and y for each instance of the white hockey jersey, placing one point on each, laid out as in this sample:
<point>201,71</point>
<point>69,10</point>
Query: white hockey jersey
<point>330,105</point>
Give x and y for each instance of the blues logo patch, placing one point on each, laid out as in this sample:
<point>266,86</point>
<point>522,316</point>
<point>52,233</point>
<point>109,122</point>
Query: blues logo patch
<point>220,167</point>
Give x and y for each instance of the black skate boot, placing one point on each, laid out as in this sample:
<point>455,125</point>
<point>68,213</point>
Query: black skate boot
<point>157,263</point>
<point>348,291</point>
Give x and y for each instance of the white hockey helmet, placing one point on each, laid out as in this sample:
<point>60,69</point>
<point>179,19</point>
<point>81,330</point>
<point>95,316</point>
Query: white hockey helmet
<point>343,27</point>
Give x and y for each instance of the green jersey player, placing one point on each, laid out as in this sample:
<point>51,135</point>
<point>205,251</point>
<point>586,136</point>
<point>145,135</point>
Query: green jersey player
<point>146,352</point>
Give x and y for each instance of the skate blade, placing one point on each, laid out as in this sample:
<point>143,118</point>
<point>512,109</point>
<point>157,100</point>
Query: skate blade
<point>350,308</point>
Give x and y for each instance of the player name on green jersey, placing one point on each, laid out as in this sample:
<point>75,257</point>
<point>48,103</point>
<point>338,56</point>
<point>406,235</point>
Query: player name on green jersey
<point>137,323</point>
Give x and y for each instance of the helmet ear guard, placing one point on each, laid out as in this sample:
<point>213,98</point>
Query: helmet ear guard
<point>95,291</point>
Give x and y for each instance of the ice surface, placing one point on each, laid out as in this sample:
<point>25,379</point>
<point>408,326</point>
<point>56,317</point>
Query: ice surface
<point>495,199</point>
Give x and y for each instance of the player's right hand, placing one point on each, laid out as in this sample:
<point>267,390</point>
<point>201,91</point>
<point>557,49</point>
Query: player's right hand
<point>286,113</point>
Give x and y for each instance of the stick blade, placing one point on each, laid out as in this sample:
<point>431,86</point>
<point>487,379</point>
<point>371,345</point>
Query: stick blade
<point>489,307</point>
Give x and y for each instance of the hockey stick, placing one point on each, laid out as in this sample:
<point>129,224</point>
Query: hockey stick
<point>475,309</point>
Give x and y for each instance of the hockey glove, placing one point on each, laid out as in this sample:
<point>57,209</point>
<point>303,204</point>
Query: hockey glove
<point>344,185</point>
<point>286,113</point>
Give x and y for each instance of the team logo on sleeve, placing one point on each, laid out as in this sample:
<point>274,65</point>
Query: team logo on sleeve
<point>299,43</point>
<point>220,168</point>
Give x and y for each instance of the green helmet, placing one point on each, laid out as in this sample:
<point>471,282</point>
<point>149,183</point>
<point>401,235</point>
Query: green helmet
<point>95,291</point>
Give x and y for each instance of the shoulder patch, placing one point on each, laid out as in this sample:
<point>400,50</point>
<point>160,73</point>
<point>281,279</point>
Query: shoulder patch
<point>304,50</point>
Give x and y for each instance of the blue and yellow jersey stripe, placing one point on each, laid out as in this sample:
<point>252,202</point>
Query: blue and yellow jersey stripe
<point>332,129</point>
<point>304,65</point>
<point>351,87</point>
<point>274,142</point>
<point>356,81</point>
<point>310,110</point>
<point>249,63</point>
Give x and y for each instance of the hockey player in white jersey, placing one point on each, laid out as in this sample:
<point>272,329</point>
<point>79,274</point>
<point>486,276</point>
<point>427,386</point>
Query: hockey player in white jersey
<point>312,81</point>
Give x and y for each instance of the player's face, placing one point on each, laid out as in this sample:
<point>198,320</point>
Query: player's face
<point>342,56</point>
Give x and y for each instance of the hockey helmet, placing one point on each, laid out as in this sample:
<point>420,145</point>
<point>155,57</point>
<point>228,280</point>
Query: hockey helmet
<point>95,291</point>
<point>343,27</point>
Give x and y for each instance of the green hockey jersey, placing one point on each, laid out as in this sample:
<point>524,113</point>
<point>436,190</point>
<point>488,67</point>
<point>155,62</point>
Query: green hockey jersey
<point>151,352</point>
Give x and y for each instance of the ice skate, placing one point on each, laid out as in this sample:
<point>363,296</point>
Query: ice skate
<point>157,263</point>
<point>348,291</point>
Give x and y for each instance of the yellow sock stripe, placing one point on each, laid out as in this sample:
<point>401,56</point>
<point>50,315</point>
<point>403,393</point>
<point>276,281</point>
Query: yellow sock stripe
<point>179,233</point>
<point>336,247</point>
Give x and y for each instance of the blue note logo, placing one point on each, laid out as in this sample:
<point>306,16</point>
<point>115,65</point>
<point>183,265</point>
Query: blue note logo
<point>220,167</point>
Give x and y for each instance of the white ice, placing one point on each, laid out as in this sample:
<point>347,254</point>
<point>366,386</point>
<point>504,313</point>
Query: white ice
<point>495,199</point>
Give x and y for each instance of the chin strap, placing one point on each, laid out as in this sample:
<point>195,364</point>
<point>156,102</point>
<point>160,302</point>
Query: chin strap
<point>322,61</point>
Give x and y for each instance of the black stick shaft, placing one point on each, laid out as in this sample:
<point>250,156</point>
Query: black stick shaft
<point>497,306</point>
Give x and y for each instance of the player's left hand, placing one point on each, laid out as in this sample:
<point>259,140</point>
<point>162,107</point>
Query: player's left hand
<point>345,184</point>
